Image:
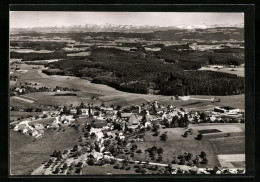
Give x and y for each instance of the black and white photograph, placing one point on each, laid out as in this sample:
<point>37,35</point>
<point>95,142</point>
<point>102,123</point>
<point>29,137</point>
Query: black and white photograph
<point>126,93</point>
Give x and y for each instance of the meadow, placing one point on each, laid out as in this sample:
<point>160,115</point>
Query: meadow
<point>28,154</point>
<point>109,95</point>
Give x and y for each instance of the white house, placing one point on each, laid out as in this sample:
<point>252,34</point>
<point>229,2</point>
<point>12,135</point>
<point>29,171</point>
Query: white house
<point>34,133</point>
<point>25,130</point>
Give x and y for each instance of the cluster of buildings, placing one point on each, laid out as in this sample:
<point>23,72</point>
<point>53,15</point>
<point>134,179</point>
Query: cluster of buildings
<point>135,117</point>
<point>35,130</point>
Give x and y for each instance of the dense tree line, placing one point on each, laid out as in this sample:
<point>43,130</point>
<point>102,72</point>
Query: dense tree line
<point>39,45</point>
<point>123,71</point>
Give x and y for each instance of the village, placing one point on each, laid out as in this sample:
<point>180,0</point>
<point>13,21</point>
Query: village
<point>110,133</point>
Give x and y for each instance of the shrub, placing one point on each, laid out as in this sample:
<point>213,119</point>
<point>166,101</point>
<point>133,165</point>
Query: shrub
<point>199,137</point>
<point>203,154</point>
<point>185,134</point>
<point>160,151</point>
<point>128,168</point>
<point>182,161</point>
<point>139,151</point>
<point>204,161</point>
<point>117,166</point>
<point>164,137</point>
<point>188,156</point>
<point>156,133</point>
<point>91,162</point>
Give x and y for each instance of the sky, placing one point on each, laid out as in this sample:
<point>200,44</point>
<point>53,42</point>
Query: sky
<point>25,19</point>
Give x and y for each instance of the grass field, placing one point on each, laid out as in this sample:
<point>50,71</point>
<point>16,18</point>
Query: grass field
<point>103,170</point>
<point>231,145</point>
<point>176,144</point>
<point>28,154</point>
<point>178,147</point>
<point>237,71</point>
<point>17,114</point>
<point>111,96</point>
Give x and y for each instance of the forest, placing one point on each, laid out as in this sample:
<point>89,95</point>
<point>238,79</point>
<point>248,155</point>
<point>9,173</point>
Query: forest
<point>139,73</point>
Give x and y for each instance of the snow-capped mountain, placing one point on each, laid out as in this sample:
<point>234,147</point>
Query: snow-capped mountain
<point>118,28</point>
<point>204,26</point>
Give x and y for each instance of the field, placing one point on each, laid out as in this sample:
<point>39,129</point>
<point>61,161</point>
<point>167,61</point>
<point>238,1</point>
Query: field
<point>17,114</point>
<point>106,169</point>
<point>237,71</point>
<point>28,154</point>
<point>109,95</point>
<point>176,144</point>
<point>80,54</point>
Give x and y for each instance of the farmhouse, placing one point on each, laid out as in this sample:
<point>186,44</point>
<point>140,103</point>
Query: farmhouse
<point>52,112</point>
<point>85,111</point>
<point>73,111</point>
<point>83,121</point>
<point>161,110</point>
<point>134,120</point>
<point>102,108</point>
<point>100,124</point>
<point>126,116</point>
<point>226,109</point>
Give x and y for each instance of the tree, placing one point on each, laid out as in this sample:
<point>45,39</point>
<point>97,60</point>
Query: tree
<point>78,170</point>
<point>79,112</point>
<point>175,160</point>
<point>199,137</point>
<point>86,134</point>
<point>65,166</point>
<point>75,148</point>
<point>82,106</point>
<point>204,161</point>
<point>160,151</point>
<point>188,156</point>
<point>203,116</point>
<point>93,135</point>
<point>65,110</point>
<point>182,161</point>
<point>159,159</point>
<point>134,147</point>
<point>139,151</point>
<point>91,161</point>
<point>119,114</point>
<point>156,133</point>
<point>185,134</point>
<point>164,137</point>
<point>117,166</point>
<point>203,154</point>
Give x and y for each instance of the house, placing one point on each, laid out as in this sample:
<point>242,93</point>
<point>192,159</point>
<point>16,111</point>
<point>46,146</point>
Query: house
<point>82,116</point>
<point>151,118</point>
<point>102,108</point>
<point>83,120</point>
<point>155,121</point>
<point>161,110</point>
<point>133,50</point>
<point>73,111</point>
<point>226,109</point>
<point>52,112</point>
<point>134,120</point>
<point>38,126</point>
<point>34,133</point>
<point>85,111</point>
<point>126,116</point>
<point>25,130</point>
<point>110,112</point>
<point>100,124</point>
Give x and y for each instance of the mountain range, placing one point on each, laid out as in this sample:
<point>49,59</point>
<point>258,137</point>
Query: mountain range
<point>117,28</point>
